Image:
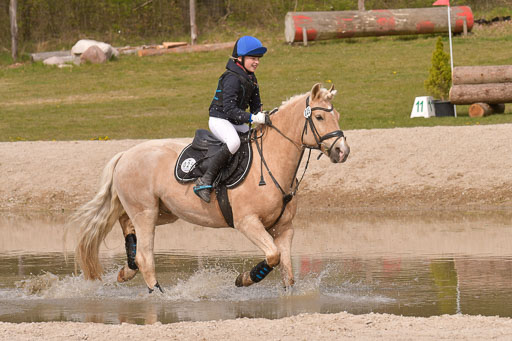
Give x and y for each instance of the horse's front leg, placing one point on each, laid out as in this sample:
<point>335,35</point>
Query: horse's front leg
<point>283,236</point>
<point>254,230</point>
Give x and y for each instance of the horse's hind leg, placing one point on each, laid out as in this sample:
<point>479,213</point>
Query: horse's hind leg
<point>144,223</point>
<point>130,269</point>
<point>253,229</point>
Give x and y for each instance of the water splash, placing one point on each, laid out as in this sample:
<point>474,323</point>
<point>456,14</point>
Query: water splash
<point>212,283</point>
<point>334,282</point>
<point>51,286</point>
<point>218,284</point>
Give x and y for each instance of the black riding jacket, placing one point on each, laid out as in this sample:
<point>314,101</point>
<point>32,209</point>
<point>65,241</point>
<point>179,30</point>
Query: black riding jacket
<point>236,91</point>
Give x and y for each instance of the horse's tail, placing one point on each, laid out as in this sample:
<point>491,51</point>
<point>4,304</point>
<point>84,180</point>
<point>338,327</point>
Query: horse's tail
<point>96,219</point>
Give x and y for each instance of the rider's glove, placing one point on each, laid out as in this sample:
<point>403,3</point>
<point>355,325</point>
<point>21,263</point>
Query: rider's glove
<point>259,118</point>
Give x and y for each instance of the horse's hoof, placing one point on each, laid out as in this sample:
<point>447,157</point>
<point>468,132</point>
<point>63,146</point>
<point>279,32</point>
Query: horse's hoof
<point>125,274</point>
<point>238,281</point>
<point>288,284</point>
<point>120,276</point>
<point>244,280</point>
<point>156,286</point>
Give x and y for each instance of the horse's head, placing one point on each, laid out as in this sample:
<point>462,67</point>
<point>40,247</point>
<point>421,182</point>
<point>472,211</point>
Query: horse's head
<point>322,130</point>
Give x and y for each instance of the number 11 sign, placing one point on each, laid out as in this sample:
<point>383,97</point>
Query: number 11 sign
<point>423,107</point>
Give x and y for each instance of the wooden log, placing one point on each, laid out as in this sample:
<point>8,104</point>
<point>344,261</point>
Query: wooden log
<point>347,24</point>
<point>482,74</point>
<point>485,109</point>
<point>492,93</point>
<point>40,56</point>
<point>170,45</point>
<point>184,49</point>
<point>480,110</point>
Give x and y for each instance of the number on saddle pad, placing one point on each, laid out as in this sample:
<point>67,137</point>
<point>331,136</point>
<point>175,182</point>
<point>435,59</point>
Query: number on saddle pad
<point>193,160</point>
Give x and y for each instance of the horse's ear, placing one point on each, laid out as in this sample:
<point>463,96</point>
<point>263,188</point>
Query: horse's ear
<point>332,92</point>
<point>315,90</point>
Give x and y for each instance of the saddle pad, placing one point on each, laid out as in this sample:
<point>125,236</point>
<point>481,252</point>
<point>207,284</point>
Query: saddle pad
<point>193,163</point>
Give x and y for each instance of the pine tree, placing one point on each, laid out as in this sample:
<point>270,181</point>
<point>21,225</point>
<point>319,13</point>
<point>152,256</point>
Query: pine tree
<point>440,78</point>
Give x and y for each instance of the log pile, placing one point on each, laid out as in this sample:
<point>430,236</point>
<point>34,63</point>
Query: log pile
<point>485,88</point>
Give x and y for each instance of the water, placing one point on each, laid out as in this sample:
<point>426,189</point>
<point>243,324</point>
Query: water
<point>415,264</point>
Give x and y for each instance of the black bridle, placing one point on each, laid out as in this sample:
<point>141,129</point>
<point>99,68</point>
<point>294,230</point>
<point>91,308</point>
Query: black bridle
<point>318,138</point>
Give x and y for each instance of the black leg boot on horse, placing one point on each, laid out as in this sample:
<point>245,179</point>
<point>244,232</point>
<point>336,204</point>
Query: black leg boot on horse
<point>204,183</point>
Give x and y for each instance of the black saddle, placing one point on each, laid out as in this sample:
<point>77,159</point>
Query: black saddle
<point>195,159</point>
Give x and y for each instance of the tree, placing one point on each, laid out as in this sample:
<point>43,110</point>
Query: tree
<point>193,27</point>
<point>14,29</point>
<point>440,77</point>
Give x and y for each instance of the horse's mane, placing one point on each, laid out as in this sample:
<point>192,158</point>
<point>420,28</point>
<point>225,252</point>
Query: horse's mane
<point>291,100</point>
<point>326,95</point>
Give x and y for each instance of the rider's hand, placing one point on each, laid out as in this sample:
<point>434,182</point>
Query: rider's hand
<point>259,118</point>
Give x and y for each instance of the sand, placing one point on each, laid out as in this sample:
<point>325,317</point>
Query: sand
<point>440,167</point>
<point>388,169</point>
<point>307,327</point>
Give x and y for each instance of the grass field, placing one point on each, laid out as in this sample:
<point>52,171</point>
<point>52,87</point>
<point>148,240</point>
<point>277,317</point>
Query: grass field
<point>168,96</point>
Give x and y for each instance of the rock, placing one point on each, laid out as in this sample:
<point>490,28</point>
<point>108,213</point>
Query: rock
<point>82,45</point>
<point>94,55</point>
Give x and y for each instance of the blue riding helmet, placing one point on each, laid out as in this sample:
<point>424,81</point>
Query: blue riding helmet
<point>248,46</point>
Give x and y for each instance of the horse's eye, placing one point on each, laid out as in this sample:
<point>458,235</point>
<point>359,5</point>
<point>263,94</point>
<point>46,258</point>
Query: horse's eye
<point>319,117</point>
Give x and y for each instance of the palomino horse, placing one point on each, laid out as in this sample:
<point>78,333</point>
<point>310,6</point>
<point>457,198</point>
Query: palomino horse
<point>138,189</point>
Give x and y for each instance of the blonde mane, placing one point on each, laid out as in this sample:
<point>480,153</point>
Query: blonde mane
<point>326,95</point>
<point>291,99</point>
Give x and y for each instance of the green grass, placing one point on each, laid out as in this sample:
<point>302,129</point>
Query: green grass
<point>168,96</point>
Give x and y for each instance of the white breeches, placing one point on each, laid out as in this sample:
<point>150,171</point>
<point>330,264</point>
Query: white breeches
<point>227,132</point>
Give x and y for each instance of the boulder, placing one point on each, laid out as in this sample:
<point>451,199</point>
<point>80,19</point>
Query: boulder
<point>82,45</point>
<point>93,55</point>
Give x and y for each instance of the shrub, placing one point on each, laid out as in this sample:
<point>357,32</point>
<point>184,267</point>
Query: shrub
<point>440,77</point>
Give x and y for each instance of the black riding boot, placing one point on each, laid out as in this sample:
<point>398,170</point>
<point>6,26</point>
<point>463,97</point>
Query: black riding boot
<point>204,184</point>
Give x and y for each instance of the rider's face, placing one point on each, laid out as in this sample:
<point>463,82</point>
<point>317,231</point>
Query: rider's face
<point>251,63</point>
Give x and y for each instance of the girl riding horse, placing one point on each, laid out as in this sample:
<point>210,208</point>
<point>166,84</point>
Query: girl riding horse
<point>237,89</point>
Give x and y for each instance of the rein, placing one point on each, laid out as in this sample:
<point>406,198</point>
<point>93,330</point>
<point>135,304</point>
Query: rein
<point>318,138</point>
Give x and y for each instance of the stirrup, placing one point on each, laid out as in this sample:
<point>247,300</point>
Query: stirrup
<point>203,191</point>
<point>200,188</point>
